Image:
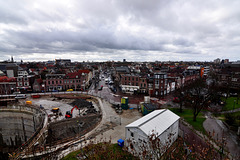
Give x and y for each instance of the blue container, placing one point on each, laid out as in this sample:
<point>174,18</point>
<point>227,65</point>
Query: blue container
<point>121,142</point>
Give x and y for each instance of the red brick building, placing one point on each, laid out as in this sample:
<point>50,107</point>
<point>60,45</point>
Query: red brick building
<point>7,85</point>
<point>55,82</point>
<point>134,82</point>
<point>78,80</point>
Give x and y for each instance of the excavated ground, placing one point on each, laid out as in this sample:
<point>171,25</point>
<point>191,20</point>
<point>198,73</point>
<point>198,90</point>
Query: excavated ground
<point>66,130</point>
<point>84,120</point>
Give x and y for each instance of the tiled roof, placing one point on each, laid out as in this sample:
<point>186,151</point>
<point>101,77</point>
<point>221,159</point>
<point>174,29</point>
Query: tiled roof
<point>6,79</point>
<point>73,75</point>
<point>83,71</point>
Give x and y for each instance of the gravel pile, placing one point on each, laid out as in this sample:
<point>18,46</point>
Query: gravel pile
<point>81,103</point>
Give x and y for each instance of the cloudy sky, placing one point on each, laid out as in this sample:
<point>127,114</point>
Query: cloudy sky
<point>137,30</point>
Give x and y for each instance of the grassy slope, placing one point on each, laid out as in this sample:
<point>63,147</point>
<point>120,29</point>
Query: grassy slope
<point>187,114</point>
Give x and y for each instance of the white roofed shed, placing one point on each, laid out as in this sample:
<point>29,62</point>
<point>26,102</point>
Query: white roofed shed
<point>161,122</point>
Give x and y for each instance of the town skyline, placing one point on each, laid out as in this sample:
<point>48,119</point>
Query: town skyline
<point>116,30</point>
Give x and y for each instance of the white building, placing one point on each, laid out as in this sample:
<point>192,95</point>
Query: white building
<point>163,123</point>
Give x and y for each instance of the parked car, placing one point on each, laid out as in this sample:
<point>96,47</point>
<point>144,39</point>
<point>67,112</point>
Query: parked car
<point>21,96</point>
<point>110,82</point>
<point>69,90</point>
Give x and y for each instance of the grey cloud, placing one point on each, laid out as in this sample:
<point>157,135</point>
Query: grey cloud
<point>135,28</point>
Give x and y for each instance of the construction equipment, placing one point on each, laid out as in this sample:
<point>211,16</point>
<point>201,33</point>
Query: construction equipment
<point>55,110</point>
<point>69,114</point>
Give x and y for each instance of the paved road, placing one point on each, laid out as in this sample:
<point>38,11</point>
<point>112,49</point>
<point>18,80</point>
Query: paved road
<point>221,133</point>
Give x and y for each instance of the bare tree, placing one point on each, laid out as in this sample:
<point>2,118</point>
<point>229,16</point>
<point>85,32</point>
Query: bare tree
<point>197,96</point>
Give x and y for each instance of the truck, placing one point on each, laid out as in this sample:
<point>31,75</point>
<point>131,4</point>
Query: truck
<point>69,113</point>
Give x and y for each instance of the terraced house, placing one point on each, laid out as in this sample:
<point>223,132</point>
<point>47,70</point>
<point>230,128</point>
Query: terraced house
<point>77,81</point>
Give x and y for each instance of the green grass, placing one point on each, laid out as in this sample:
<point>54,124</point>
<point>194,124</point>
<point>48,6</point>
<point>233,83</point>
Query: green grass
<point>230,103</point>
<point>102,151</point>
<point>187,114</point>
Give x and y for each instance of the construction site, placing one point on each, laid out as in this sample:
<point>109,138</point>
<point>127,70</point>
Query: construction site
<point>66,117</point>
<point>51,126</point>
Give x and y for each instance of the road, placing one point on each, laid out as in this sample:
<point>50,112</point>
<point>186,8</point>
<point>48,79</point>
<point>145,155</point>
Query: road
<point>222,135</point>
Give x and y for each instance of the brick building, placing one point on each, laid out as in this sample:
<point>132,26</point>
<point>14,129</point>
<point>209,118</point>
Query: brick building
<point>7,85</point>
<point>55,82</point>
<point>134,82</point>
<point>79,80</point>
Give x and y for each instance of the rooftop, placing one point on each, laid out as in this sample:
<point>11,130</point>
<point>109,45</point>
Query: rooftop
<point>158,120</point>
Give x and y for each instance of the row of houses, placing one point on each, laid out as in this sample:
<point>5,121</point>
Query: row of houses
<point>43,77</point>
<point>155,82</point>
<point>154,79</point>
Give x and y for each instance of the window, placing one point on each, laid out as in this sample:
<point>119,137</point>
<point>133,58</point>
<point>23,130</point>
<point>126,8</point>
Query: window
<point>157,76</point>
<point>129,78</point>
<point>48,82</point>
<point>25,79</point>
<point>133,78</point>
<point>156,81</point>
<point>125,78</point>
<point>73,81</point>
<point>132,135</point>
<point>143,80</point>
<point>136,84</point>
<point>56,82</point>
<point>52,82</point>
<point>136,78</point>
<point>60,82</point>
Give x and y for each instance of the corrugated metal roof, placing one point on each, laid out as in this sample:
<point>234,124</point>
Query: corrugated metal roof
<point>158,120</point>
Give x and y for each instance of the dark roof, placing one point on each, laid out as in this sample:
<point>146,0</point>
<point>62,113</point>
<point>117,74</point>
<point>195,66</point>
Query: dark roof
<point>150,106</point>
<point>122,69</point>
<point>73,75</point>
<point>2,67</point>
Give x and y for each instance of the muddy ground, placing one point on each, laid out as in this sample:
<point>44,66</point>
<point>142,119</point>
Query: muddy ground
<point>65,130</point>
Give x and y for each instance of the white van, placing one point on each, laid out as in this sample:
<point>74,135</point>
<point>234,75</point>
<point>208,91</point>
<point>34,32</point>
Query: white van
<point>21,96</point>
<point>106,80</point>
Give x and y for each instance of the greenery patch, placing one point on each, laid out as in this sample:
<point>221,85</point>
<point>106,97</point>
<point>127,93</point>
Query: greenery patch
<point>187,114</point>
<point>100,151</point>
<point>231,103</point>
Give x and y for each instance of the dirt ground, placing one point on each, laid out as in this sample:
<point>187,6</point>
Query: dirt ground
<point>60,128</point>
<point>65,130</point>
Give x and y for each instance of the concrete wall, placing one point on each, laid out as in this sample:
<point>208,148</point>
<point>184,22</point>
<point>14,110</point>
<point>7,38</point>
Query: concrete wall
<point>18,124</point>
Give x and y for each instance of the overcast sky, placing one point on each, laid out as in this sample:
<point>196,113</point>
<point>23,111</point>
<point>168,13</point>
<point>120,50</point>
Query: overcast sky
<point>135,30</point>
